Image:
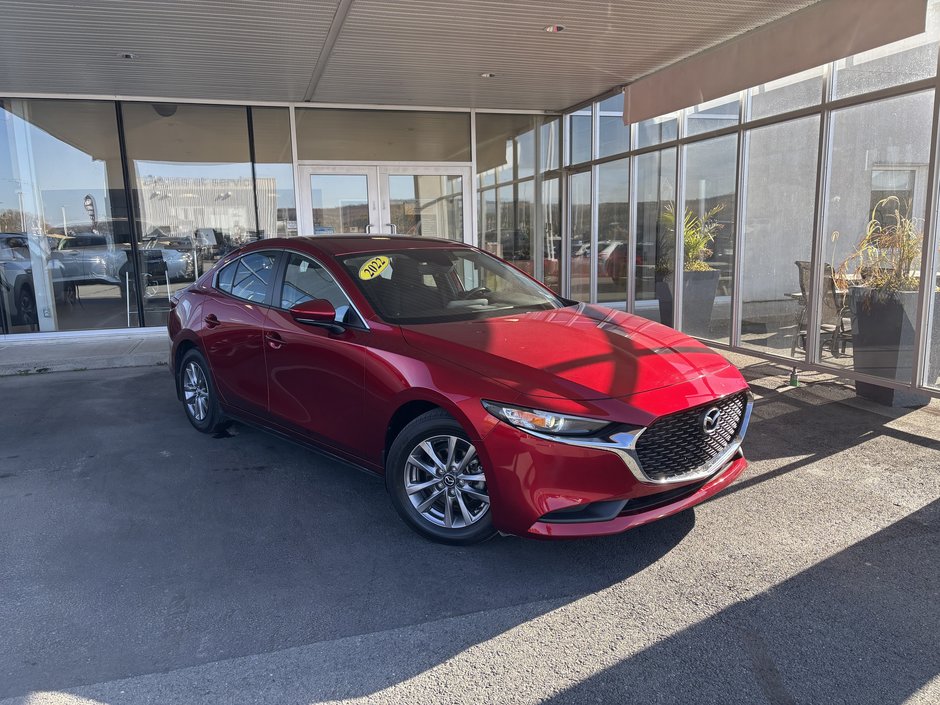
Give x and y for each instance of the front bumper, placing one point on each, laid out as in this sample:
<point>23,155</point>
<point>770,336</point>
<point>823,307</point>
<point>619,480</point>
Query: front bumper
<point>548,488</point>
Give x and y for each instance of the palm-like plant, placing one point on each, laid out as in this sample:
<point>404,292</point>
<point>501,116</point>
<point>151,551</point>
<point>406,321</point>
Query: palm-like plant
<point>887,257</point>
<point>698,233</point>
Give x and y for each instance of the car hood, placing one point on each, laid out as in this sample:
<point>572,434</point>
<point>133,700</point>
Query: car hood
<point>581,352</point>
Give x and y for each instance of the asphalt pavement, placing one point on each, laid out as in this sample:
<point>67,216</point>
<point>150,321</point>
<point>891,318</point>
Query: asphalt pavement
<point>142,562</point>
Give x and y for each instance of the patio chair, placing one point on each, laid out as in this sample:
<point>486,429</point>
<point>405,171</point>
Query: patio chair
<point>833,328</point>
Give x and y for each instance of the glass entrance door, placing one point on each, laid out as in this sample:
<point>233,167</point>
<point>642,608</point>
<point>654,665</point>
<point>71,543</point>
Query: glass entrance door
<point>398,199</point>
<point>339,200</point>
<point>426,200</point>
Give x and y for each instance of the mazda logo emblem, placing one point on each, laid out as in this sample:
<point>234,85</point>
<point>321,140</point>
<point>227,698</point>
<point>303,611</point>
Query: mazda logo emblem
<point>710,420</point>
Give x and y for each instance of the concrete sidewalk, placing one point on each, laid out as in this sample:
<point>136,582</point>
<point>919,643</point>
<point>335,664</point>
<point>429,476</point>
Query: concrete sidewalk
<point>53,354</point>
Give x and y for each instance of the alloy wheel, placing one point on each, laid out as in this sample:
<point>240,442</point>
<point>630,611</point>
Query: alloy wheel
<point>445,483</point>
<point>195,391</point>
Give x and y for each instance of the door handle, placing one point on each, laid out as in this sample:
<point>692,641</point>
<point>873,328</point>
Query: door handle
<point>275,341</point>
<point>212,320</point>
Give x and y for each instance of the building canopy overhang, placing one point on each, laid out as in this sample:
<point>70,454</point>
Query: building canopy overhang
<point>826,31</point>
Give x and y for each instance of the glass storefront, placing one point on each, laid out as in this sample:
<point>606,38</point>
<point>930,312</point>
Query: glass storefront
<point>874,225</point>
<point>818,254</point>
<point>655,241</point>
<point>515,157</point>
<point>274,167</point>
<point>708,237</point>
<point>194,195</point>
<point>107,208</point>
<point>613,227</point>
<point>66,250</point>
<point>780,191</point>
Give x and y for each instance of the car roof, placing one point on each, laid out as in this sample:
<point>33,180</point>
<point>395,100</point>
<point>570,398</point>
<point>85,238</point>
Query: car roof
<point>342,245</point>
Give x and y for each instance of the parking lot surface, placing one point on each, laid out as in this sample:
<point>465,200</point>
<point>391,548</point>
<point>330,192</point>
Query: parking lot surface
<point>142,562</point>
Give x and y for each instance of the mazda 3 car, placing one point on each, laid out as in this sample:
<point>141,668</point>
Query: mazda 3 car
<point>489,403</point>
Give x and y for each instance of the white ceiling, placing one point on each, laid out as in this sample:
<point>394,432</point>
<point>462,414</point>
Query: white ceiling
<point>411,52</point>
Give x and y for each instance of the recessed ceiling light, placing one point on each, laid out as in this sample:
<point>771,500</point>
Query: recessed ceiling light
<point>126,55</point>
<point>555,28</point>
<point>487,75</point>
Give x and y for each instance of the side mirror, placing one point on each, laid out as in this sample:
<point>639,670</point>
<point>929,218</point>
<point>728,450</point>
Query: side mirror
<point>317,312</point>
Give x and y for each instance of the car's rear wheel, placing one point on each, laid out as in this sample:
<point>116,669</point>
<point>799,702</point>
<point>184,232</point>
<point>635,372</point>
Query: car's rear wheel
<point>437,483</point>
<point>199,398</point>
<point>26,306</point>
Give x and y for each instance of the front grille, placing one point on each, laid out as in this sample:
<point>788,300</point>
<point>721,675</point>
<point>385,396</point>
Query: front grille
<point>677,444</point>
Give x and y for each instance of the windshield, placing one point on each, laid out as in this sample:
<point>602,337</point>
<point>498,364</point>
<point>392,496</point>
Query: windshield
<point>436,285</point>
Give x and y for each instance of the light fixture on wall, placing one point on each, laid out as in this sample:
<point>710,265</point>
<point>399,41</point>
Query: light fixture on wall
<point>555,28</point>
<point>487,75</point>
<point>126,55</point>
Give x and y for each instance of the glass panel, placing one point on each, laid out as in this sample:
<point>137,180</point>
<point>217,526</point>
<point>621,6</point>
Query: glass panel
<point>549,144</point>
<point>254,275</point>
<point>65,241</point>
<point>488,224</point>
<point>655,242</point>
<point>933,332</point>
<point>340,203</point>
<point>519,247</point>
<point>525,154</point>
<point>506,146</point>
<point>579,136</point>
<point>274,172</point>
<point>893,64</point>
<point>708,237</point>
<point>613,218</point>
<point>613,136</point>
<point>713,115</point>
<point>191,174</point>
<point>305,280</point>
<point>778,236</point>
<point>800,90</point>
<point>382,135</point>
<point>435,285</point>
<point>657,130</point>
<point>551,219</point>
<point>430,205</point>
<point>868,290</point>
<point>579,196</point>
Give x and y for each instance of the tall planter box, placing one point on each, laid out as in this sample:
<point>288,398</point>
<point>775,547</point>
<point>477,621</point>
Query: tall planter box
<point>698,300</point>
<point>883,338</point>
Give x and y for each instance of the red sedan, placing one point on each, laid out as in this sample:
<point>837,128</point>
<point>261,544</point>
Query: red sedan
<point>489,403</point>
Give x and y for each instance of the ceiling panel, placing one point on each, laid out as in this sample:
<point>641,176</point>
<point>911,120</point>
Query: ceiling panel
<point>214,49</point>
<point>414,52</point>
<point>431,52</point>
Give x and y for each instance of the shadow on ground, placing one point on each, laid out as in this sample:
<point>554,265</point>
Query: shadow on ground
<point>133,544</point>
<point>859,627</point>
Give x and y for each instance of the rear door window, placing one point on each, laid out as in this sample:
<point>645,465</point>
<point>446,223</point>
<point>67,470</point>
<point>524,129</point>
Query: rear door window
<point>249,277</point>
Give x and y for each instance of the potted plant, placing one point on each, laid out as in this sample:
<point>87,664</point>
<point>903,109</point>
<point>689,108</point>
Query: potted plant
<point>882,277</point>
<point>700,279</point>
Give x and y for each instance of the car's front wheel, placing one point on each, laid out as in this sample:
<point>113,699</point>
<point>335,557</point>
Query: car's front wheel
<point>437,483</point>
<point>199,397</point>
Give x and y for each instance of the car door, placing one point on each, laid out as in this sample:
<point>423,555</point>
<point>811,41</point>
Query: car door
<point>233,317</point>
<point>69,254</point>
<point>315,375</point>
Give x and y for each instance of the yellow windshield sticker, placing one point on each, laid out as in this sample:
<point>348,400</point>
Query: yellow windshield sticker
<point>373,268</point>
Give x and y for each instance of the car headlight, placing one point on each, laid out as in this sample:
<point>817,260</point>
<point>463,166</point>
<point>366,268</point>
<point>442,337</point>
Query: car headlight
<point>544,421</point>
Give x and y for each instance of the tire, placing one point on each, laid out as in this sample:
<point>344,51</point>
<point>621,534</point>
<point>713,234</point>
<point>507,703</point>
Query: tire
<point>200,401</point>
<point>26,307</point>
<point>439,510</point>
